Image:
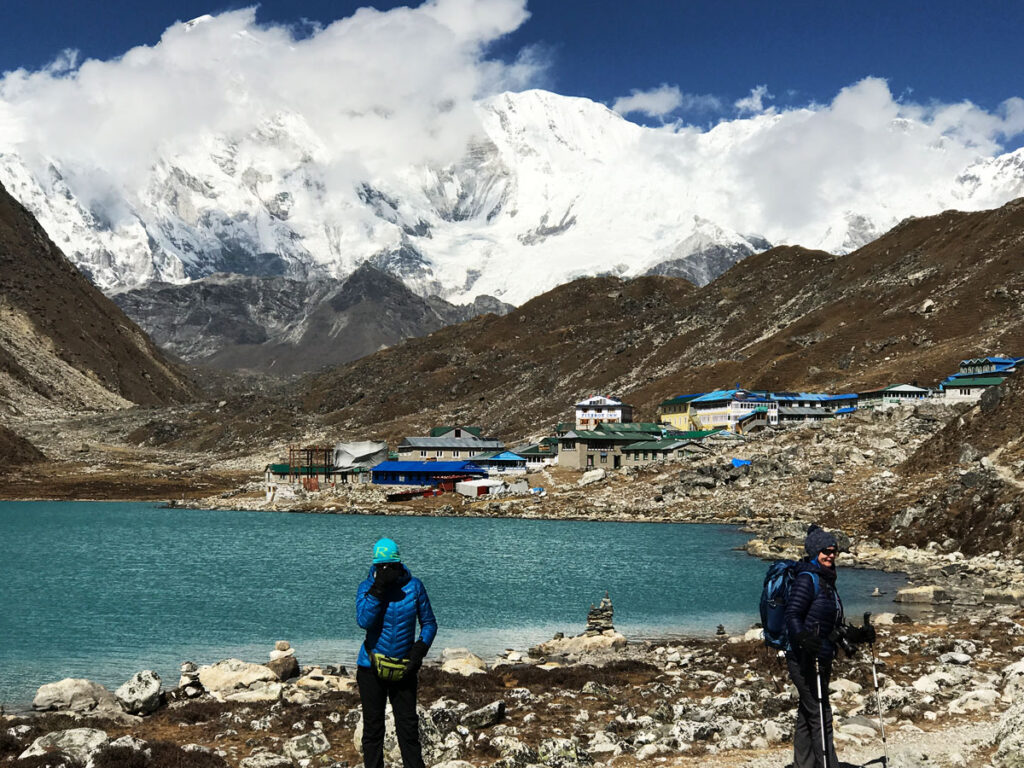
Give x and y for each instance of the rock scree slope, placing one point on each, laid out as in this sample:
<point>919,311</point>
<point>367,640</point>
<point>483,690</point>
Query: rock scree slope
<point>63,344</point>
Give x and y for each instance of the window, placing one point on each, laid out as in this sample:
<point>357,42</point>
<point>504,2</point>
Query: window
<point>401,478</point>
<point>423,453</point>
<point>456,454</point>
<point>604,458</point>
<point>439,454</point>
<point>568,445</point>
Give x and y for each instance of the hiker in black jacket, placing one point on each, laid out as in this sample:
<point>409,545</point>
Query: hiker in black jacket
<point>813,614</point>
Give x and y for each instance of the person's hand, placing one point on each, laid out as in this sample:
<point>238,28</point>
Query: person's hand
<point>419,650</point>
<point>383,580</point>
<point>861,635</point>
<point>810,644</point>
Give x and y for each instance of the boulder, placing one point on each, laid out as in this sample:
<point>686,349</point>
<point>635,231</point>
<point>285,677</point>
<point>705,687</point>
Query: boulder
<point>562,753</point>
<point>286,666</point>
<point>75,695</point>
<point>1009,738</point>
<point>141,694</point>
<point>930,595</point>
<point>980,700</point>
<point>260,692</point>
<point>79,743</point>
<point>232,675</point>
<point>266,760</point>
<point>132,743</point>
<point>485,716</point>
<point>306,746</point>
<point>582,644</point>
<point>459,661</point>
<point>592,476</point>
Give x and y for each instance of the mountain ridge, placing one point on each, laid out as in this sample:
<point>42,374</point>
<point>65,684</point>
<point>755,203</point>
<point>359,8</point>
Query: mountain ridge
<point>552,189</point>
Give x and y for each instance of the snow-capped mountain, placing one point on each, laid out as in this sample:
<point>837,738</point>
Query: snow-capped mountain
<point>552,188</point>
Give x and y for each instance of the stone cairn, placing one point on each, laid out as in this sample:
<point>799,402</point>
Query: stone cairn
<point>599,619</point>
<point>189,681</point>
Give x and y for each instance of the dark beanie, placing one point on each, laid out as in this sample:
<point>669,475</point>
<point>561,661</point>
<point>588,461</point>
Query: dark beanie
<point>817,540</point>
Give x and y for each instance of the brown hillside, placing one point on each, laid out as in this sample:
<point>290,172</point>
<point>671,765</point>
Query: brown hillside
<point>62,343</point>
<point>907,307</point>
<point>16,450</point>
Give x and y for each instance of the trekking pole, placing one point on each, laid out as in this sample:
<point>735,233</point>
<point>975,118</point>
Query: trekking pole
<point>821,713</point>
<point>878,699</point>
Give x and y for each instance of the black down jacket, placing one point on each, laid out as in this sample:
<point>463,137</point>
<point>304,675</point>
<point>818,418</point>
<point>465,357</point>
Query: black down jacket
<point>818,613</point>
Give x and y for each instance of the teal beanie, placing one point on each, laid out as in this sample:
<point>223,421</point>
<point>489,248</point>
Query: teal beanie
<point>386,551</point>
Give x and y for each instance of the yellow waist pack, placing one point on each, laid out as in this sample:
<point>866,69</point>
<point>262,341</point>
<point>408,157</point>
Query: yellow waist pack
<point>388,668</point>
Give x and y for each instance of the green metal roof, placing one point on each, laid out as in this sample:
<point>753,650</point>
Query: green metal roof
<point>697,434</point>
<point>656,445</point>
<point>312,469</point>
<point>975,381</point>
<point>610,437</point>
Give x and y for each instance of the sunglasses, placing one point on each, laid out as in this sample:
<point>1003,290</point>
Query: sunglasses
<point>830,552</point>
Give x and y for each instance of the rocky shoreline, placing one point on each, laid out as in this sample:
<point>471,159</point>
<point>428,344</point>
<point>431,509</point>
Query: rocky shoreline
<point>951,690</point>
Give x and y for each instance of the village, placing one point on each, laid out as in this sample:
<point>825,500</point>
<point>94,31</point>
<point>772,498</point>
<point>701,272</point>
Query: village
<point>603,436</point>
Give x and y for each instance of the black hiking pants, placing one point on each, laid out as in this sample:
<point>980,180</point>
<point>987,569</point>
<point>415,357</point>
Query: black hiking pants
<point>374,695</point>
<point>807,736</point>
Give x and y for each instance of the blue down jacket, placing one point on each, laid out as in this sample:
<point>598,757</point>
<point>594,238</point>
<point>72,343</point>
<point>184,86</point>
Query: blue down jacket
<point>819,614</point>
<point>390,623</point>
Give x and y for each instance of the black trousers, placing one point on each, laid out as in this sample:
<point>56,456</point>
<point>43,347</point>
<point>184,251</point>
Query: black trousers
<point>807,751</point>
<point>374,695</point>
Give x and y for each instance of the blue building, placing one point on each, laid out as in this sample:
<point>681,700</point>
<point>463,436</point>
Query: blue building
<point>442,473</point>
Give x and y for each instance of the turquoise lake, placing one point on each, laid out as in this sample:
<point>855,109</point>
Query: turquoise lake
<point>104,590</point>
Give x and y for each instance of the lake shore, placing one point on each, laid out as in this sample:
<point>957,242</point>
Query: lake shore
<point>723,701</point>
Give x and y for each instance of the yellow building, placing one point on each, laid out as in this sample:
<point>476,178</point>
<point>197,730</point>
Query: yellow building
<point>676,411</point>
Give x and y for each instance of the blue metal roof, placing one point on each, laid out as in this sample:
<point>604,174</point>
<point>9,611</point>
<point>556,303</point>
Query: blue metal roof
<point>429,466</point>
<point>813,396</point>
<point>731,394</point>
<point>847,409</point>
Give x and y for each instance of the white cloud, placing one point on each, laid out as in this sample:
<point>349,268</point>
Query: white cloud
<point>754,103</point>
<point>380,90</point>
<point>783,173</point>
<point>664,100</point>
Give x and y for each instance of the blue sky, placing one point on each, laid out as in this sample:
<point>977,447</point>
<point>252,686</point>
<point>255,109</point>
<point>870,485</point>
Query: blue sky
<point>804,51</point>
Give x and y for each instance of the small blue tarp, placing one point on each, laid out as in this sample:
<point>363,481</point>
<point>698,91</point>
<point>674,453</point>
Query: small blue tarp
<point>741,462</point>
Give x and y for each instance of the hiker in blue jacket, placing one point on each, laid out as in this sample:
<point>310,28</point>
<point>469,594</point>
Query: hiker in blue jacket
<point>814,613</point>
<point>389,602</point>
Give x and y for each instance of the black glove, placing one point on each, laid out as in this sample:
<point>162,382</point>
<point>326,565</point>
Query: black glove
<point>810,644</point>
<point>416,654</point>
<point>860,635</point>
<point>383,580</point>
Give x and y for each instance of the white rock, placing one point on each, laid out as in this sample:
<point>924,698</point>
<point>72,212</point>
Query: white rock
<point>975,701</point>
<point>306,746</point>
<point>259,692</point>
<point>266,760</point>
<point>141,694</point>
<point>465,664</point>
<point>76,695</point>
<point>80,743</point>
<point>842,685</point>
<point>232,675</point>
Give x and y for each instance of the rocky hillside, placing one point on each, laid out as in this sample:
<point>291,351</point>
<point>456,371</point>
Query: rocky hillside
<point>16,450</point>
<point>906,307</point>
<point>63,344</point>
<point>282,326</point>
<point>971,479</point>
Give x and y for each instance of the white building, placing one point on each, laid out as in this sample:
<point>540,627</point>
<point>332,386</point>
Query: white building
<point>602,410</point>
<point>737,410</point>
